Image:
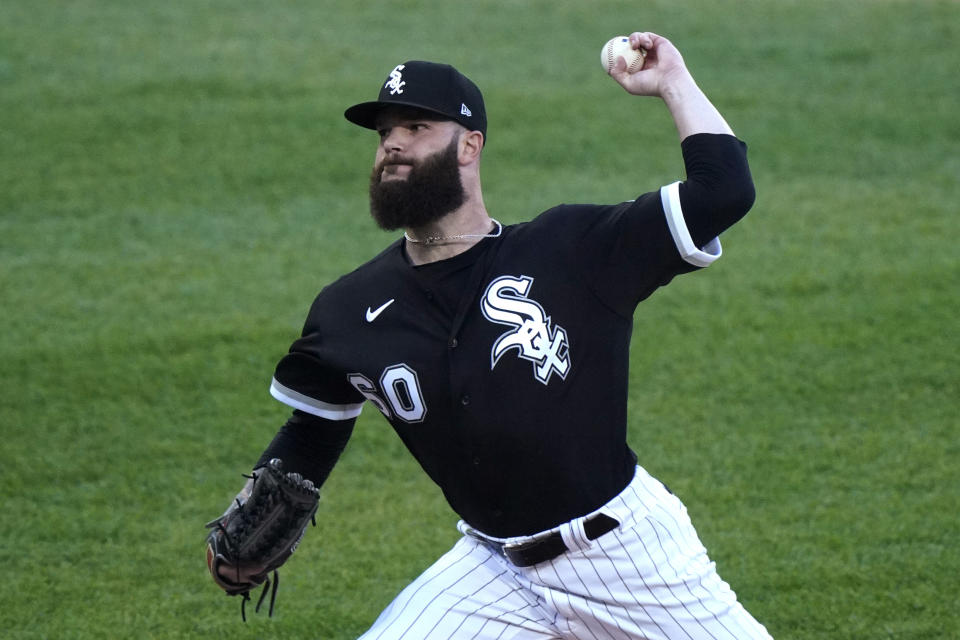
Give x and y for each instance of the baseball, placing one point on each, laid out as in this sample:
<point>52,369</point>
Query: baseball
<point>620,46</point>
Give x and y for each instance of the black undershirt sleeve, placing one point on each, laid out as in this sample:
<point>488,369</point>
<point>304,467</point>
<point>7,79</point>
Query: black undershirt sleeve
<point>309,445</point>
<point>719,189</point>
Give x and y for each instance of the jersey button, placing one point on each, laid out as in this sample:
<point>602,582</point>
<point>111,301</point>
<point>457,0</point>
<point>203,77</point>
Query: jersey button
<point>453,343</point>
<point>465,400</point>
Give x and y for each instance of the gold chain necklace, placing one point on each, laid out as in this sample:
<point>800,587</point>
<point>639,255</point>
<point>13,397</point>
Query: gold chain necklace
<point>462,236</point>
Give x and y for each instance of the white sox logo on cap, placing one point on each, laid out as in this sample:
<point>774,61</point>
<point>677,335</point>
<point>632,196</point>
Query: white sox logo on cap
<point>534,337</point>
<point>395,83</point>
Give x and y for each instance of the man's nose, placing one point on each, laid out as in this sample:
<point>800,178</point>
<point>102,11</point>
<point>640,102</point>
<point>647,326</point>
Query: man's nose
<point>394,140</point>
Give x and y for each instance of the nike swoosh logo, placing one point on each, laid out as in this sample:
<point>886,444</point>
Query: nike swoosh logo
<point>372,315</point>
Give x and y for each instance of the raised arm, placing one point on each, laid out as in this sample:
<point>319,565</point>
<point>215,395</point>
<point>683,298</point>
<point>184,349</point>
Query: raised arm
<point>665,75</point>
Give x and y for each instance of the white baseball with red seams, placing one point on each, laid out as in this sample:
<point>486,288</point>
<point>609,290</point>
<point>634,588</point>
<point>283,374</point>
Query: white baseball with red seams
<point>620,46</point>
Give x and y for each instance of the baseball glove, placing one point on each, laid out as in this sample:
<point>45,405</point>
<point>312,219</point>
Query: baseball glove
<point>257,534</point>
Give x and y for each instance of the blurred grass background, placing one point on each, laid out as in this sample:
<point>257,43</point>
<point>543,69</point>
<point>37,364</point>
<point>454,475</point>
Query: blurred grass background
<point>177,182</point>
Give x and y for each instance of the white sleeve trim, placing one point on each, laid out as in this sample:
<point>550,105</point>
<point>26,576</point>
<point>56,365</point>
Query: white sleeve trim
<point>670,197</point>
<point>318,408</point>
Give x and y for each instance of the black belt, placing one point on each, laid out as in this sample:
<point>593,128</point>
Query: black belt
<point>549,547</point>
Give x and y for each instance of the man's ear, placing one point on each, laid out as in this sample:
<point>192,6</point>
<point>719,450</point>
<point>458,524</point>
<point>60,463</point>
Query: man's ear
<point>471,144</point>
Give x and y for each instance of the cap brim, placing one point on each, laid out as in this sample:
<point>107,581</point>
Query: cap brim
<point>365,114</point>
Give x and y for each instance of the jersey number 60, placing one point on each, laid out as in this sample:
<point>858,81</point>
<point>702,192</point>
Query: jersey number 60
<point>401,395</point>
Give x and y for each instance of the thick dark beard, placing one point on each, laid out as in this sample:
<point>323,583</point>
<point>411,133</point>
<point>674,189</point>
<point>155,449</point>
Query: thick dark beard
<point>431,190</point>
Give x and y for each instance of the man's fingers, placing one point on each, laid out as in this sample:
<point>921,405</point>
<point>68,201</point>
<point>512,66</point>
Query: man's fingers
<point>642,40</point>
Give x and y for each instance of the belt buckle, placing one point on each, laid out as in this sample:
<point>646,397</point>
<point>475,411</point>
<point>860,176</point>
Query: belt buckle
<point>513,552</point>
<point>507,547</point>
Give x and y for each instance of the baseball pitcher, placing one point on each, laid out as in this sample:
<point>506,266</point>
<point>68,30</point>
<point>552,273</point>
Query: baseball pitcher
<point>499,355</point>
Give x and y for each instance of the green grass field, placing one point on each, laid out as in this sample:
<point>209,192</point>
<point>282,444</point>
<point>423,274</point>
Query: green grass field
<point>177,182</point>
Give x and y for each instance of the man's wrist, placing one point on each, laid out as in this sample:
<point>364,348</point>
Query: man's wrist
<point>677,90</point>
<point>691,110</point>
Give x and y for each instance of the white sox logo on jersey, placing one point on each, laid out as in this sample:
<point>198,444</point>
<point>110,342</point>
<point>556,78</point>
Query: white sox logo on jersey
<point>534,337</point>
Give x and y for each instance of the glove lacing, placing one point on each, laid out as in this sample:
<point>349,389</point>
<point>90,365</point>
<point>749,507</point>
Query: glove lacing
<point>263,595</point>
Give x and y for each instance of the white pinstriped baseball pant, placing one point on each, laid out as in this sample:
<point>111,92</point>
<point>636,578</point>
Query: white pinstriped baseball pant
<point>649,578</point>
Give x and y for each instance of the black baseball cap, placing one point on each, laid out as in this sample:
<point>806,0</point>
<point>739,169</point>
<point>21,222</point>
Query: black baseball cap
<point>434,87</point>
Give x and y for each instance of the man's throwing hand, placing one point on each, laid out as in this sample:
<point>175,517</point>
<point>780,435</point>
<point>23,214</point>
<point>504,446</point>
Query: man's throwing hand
<point>663,67</point>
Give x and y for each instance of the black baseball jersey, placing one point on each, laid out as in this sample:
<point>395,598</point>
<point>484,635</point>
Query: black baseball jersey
<point>504,369</point>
